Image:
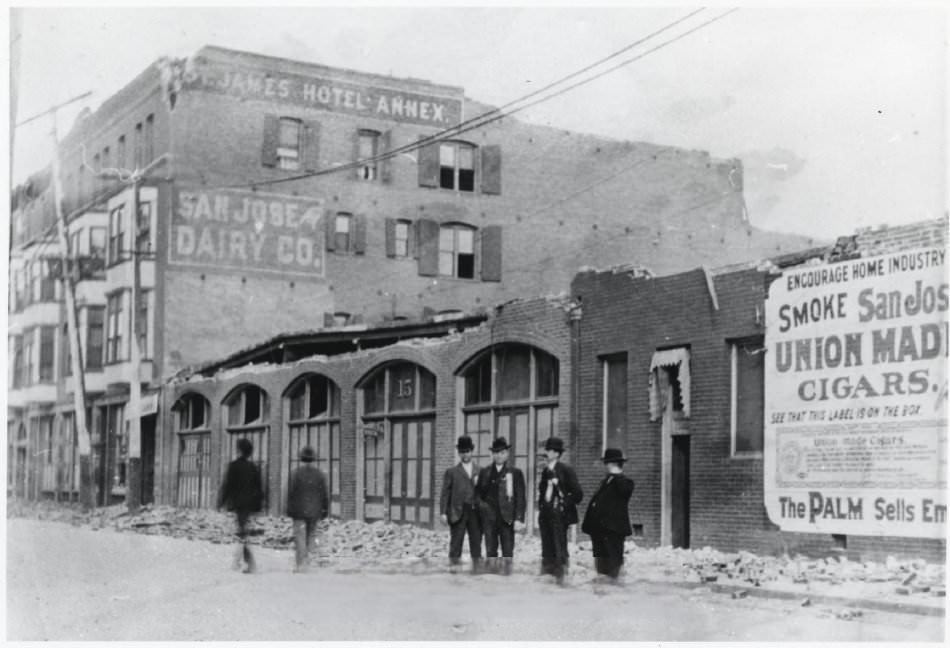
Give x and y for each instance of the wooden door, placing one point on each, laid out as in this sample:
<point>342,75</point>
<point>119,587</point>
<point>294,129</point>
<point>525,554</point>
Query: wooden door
<point>195,489</point>
<point>680,492</point>
<point>411,496</point>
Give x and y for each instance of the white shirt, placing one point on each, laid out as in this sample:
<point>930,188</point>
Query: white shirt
<point>468,468</point>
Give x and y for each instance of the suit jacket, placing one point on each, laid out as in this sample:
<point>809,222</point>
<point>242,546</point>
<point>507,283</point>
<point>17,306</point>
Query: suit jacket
<point>458,489</point>
<point>567,484</point>
<point>607,511</point>
<point>241,490</point>
<point>308,497</point>
<point>494,503</point>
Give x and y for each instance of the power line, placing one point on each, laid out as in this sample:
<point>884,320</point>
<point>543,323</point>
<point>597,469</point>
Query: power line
<point>497,114</point>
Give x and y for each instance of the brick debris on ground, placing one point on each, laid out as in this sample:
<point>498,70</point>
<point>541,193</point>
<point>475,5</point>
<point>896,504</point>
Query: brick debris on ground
<point>388,547</point>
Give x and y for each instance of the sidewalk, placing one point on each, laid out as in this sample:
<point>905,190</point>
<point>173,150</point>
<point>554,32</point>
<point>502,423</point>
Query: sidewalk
<point>911,586</point>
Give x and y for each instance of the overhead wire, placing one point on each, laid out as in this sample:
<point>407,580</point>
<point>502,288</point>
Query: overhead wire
<point>497,114</point>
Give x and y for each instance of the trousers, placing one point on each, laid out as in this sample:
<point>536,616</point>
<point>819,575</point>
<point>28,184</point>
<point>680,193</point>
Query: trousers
<point>468,523</point>
<point>608,552</point>
<point>305,532</point>
<point>497,530</point>
<point>244,550</point>
<point>554,554</point>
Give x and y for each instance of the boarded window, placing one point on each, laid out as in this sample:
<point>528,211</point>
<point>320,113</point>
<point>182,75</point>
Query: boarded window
<point>748,397</point>
<point>491,169</point>
<point>615,400</point>
<point>428,235</point>
<point>491,253</point>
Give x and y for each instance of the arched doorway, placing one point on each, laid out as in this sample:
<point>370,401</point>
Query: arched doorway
<point>398,423</point>
<point>313,419</point>
<point>192,414</point>
<point>247,416</point>
<point>511,391</point>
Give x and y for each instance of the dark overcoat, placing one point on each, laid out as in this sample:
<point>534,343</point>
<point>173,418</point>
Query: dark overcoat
<point>494,502</point>
<point>607,511</point>
<point>241,490</point>
<point>569,487</point>
<point>308,497</point>
<point>458,489</point>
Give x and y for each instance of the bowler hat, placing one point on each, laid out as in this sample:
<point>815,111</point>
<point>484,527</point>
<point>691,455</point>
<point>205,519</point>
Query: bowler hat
<point>465,444</point>
<point>555,444</point>
<point>613,455</point>
<point>307,454</point>
<point>499,444</point>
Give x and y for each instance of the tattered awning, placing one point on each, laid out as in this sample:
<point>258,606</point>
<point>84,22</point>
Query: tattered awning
<point>678,357</point>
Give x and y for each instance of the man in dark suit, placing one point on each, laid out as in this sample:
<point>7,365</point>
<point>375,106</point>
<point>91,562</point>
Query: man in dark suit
<point>501,493</point>
<point>559,493</point>
<point>308,502</point>
<point>607,520</point>
<point>458,505</point>
<point>242,493</point>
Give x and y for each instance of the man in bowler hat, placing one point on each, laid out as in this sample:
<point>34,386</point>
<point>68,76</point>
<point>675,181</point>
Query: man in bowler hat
<point>458,505</point>
<point>607,520</point>
<point>501,493</point>
<point>242,493</point>
<point>308,502</point>
<point>559,493</point>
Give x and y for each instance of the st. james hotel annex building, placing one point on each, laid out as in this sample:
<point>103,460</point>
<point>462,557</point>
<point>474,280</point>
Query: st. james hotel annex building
<point>378,310</point>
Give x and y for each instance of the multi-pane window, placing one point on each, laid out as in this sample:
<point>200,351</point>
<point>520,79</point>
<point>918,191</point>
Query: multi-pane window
<point>511,391</point>
<point>342,230</point>
<point>116,325</point>
<point>143,227</point>
<point>117,244</point>
<point>748,397</point>
<point>95,336</point>
<point>193,413</point>
<point>367,150</point>
<point>314,420</point>
<point>288,143</point>
<point>457,166</point>
<point>402,238</point>
<point>47,352</point>
<point>457,251</point>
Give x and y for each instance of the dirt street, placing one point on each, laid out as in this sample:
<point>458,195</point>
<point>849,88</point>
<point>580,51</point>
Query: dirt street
<point>69,583</point>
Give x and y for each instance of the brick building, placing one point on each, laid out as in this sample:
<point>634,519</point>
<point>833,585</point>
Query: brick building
<point>255,219</point>
<point>387,414</point>
<point>697,338</point>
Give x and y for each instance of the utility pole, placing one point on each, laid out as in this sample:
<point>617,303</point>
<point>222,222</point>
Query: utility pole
<point>86,496</point>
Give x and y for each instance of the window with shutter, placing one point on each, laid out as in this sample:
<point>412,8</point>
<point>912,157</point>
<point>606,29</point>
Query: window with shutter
<point>288,143</point>
<point>341,232</point>
<point>366,151</point>
<point>270,141</point>
<point>457,166</point>
<point>428,165</point>
<point>491,169</point>
<point>491,253</point>
<point>359,234</point>
<point>386,166</point>
<point>457,251</point>
<point>390,237</point>
<point>311,146</point>
<point>427,236</point>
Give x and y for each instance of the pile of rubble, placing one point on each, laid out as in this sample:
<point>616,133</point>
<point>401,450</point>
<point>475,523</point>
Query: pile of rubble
<point>389,546</point>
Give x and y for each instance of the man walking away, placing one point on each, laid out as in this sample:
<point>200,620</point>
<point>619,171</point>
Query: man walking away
<point>559,493</point>
<point>457,505</point>
<point>607,520</point>
<point>308,502</point>
<point>242,493</point>
<point>501,492</point>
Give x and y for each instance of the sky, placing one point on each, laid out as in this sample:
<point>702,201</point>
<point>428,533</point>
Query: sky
<point>839,115</point>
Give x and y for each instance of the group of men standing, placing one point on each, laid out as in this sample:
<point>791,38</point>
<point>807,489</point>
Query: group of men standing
<point>490,502</point>
<point>484,503</point>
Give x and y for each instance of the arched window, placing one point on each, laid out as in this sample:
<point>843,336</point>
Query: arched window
<point>511,390</point>
<point>247,417</point>
<point>192,420</point>
<point>398,420</point>
<point>313,419</point>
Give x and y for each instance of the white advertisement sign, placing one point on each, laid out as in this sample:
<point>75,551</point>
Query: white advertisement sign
<point>856,396</point>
